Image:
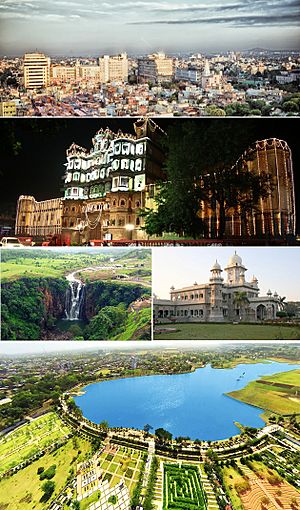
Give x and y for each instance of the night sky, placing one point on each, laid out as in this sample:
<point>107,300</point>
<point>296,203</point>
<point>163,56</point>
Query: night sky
<point>38,167</point>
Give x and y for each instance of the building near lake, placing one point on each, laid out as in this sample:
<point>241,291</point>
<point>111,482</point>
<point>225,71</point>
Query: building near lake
<point>233,299</point>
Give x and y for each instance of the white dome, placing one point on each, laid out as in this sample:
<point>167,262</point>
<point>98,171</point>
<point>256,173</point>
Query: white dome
<point>235,259</point>
<point>216,266</point>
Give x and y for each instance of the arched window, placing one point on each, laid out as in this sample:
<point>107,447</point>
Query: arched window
<point>122,203</point>
<point>137,221</point>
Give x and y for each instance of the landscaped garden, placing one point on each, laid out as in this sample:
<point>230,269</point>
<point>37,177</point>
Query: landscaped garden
<point>252,485</point>
<point>25,490</point>
<point>31,438</point>
<point>121,462</point>
<point>183,488</point>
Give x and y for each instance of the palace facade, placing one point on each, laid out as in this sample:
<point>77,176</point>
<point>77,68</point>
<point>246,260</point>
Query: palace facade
<point>106,188</point>
<point>274,216</point>
<point>231,300</point>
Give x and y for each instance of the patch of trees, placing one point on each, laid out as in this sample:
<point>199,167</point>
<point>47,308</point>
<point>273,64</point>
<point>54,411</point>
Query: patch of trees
<point>148,501</point>
<point>101,294</point>
<point>136,494</point>
<point>35,393</point>
<point>48,489</point>
<point>163,435</point>
<point>48,473</point>
<point>200,169</point>
<point>24,310</point>
<point>107,305</point>
<point>106,323</point>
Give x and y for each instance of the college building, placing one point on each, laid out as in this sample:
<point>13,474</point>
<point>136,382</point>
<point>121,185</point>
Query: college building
<point>233,299</point>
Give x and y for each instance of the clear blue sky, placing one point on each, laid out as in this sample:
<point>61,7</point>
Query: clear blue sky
<point>275,268</point>
<point>97,26</point>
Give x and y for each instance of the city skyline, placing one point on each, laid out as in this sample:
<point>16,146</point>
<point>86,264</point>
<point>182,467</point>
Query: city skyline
<point>181,267</point>
<point>73,27</point>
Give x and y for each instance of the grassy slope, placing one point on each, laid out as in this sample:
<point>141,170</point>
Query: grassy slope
<point>136,321</point>
<point>26,483</point>
<point>229,332</point>
<point>27,440</point>
<point>274,399</point>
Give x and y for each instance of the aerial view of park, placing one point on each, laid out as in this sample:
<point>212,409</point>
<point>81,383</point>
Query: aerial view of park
<point>210,427</point>
<point>64,294</point>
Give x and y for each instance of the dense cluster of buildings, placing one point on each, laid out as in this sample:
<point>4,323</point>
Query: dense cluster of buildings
<point>107,187</point>
<point>233,300</point>
<point>39,73</point>
<point>155,84</point>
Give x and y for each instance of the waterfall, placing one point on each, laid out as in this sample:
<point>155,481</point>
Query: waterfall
<point>74,298</point>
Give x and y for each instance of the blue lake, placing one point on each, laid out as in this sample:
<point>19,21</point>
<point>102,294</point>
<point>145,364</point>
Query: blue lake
<point>190,404</point>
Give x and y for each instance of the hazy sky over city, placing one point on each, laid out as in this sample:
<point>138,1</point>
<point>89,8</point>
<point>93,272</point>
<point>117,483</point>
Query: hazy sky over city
<point>275,268</point>
<point>78,27</point>
<point>18,348</point>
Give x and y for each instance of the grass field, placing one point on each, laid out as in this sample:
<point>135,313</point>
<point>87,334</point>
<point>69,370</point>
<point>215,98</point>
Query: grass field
<point>46,263</point>
<point>22,491</point>
<point>277,399</point>
<point>27,440</point>
<point>206,331</point>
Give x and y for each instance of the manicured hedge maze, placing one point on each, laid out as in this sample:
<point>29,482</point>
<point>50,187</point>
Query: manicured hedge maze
<point>182,488</point>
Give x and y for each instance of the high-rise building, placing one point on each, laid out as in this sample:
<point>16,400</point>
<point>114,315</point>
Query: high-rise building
<point>8,109</point>
<point>114,68</point>
<point>36,67</point>
<point>155,68</point>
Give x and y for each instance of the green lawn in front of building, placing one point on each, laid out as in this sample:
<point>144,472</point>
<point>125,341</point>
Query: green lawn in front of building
<point>212,331</point>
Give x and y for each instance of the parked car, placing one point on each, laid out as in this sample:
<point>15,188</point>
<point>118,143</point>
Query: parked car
<point>10,242</point>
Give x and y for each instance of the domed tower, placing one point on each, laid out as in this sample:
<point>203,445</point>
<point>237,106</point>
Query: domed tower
<point>235,270</point>
<point>216,286</point>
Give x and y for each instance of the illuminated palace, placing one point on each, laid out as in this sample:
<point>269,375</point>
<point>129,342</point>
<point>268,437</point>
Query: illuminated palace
<point>107,187</point>
<point>234,300</point>
<point>274,216</point>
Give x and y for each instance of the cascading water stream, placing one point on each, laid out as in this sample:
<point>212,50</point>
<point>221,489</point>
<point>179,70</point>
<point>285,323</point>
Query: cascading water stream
<point>74,298</point>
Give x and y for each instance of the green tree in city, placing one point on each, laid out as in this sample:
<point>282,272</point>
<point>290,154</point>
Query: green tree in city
<point>200,169</point>
<point>48,489</point>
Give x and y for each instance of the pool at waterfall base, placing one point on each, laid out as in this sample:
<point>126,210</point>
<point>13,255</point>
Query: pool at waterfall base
<point>191,404</point>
